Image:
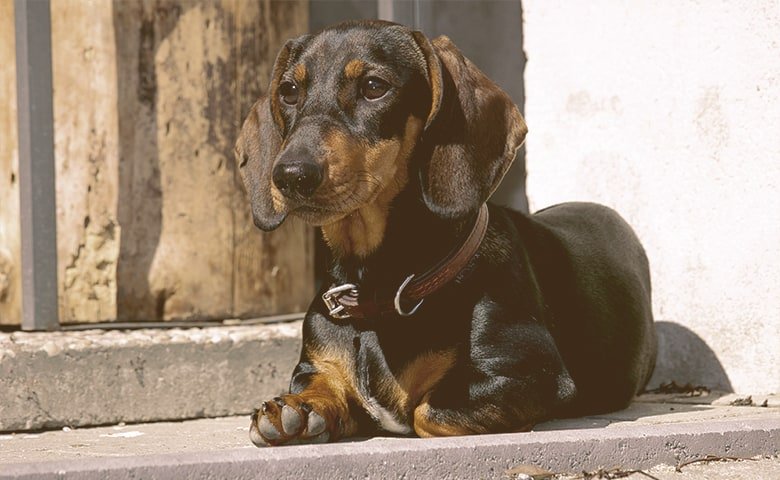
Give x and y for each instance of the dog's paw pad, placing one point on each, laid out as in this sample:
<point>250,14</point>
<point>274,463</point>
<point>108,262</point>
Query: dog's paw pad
<point>287,421</point>
<point>316,424</point>
<point>267,429</point>
<point>291,420</point>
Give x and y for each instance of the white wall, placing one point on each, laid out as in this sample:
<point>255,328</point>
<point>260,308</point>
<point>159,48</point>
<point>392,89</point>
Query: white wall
<point>670,113</point>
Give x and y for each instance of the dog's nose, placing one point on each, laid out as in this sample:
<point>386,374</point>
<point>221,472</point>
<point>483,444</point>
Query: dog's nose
<point>301,178</point>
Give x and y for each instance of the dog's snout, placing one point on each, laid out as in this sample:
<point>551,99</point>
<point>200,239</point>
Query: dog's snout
<point>297,178</point>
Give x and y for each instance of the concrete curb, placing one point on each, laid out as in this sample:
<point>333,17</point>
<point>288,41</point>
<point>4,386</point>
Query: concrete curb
<point>489,456</point>
<point>97,377</point>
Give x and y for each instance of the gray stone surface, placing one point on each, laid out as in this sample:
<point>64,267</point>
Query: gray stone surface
<point>87,378</point>
<point>644,436</point>
<point>758,468</point>
<point>50,380</point>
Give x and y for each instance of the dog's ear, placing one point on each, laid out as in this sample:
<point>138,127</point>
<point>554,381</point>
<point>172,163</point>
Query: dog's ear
<point>472,132</point>
<point>433,67</point>
<point>259,143</point>
<point>256,148</point>
<point>286,56</point>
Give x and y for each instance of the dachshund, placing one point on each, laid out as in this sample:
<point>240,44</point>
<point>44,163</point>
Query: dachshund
<point>442,314</point>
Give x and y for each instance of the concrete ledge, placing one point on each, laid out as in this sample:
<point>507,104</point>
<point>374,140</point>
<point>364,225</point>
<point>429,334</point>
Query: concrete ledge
<point>218,448</point>
<point>73,379</point>
<point>97,377</point>
<point>102,377</point>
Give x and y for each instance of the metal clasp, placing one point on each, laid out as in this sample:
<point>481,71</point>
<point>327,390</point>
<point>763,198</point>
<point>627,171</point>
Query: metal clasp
<point>397,300</point>
<point>331,298</point>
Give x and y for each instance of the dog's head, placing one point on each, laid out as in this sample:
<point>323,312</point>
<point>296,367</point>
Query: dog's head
<point>359,111</point>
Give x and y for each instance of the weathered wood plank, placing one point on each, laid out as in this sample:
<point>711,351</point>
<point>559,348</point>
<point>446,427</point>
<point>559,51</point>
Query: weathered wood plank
<point>10,251</point>
<point>177,260</point>
<point>86,138</point>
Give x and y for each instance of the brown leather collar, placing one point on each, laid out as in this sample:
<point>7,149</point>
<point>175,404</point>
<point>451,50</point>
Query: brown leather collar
<point>344,301</point>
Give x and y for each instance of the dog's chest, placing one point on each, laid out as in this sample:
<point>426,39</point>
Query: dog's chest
<point>377,387</point>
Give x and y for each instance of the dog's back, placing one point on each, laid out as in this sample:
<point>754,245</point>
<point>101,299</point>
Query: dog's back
<point>595,279</point>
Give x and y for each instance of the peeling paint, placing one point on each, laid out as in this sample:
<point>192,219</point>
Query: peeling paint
<point>6,274</point>
<point>90,276</point>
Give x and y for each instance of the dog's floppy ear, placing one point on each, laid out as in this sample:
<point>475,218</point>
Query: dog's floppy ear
<point>433,67</point>
<point>259,143</point>
<point>256,148</point>
<point>472,132</point>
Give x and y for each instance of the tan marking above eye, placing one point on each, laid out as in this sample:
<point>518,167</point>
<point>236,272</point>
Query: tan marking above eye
<point>299,74</point>
<point>354,69</point>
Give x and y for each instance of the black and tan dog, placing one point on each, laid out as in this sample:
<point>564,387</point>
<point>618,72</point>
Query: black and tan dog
<point>441,316</point>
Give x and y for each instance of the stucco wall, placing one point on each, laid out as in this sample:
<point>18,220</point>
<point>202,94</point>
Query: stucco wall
<point>670,113</point>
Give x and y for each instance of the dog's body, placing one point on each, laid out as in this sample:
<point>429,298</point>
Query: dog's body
<point>392,143</point>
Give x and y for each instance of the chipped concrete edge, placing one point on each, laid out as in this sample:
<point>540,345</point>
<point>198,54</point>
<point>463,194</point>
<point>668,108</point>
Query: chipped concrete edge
<point>487,456</point>
<point>97,377</point>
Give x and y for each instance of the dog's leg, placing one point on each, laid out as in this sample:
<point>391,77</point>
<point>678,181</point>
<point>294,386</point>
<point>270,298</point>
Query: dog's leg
<point>509,379</point>
<point>317,410</point>
<point>477,403</point>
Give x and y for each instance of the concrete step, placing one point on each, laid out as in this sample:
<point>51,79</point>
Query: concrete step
<point>98,377</point>
<point>668,429</point>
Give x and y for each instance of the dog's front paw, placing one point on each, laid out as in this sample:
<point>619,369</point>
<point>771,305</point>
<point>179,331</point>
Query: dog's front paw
<point>287,420</point>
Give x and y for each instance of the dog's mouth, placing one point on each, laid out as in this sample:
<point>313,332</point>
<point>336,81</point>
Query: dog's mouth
<point>326,211</point>
<point>316,215</point>
<point>335,202</point>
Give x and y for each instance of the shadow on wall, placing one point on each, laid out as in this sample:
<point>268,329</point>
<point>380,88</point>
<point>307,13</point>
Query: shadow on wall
<point>684,357</point>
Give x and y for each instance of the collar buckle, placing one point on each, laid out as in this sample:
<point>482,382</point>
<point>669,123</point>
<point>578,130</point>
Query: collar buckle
<point>332,299</point>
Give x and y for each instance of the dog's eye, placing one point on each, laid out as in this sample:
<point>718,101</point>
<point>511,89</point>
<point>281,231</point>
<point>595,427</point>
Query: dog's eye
<point>289,93</point>
<point>373,88</point>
